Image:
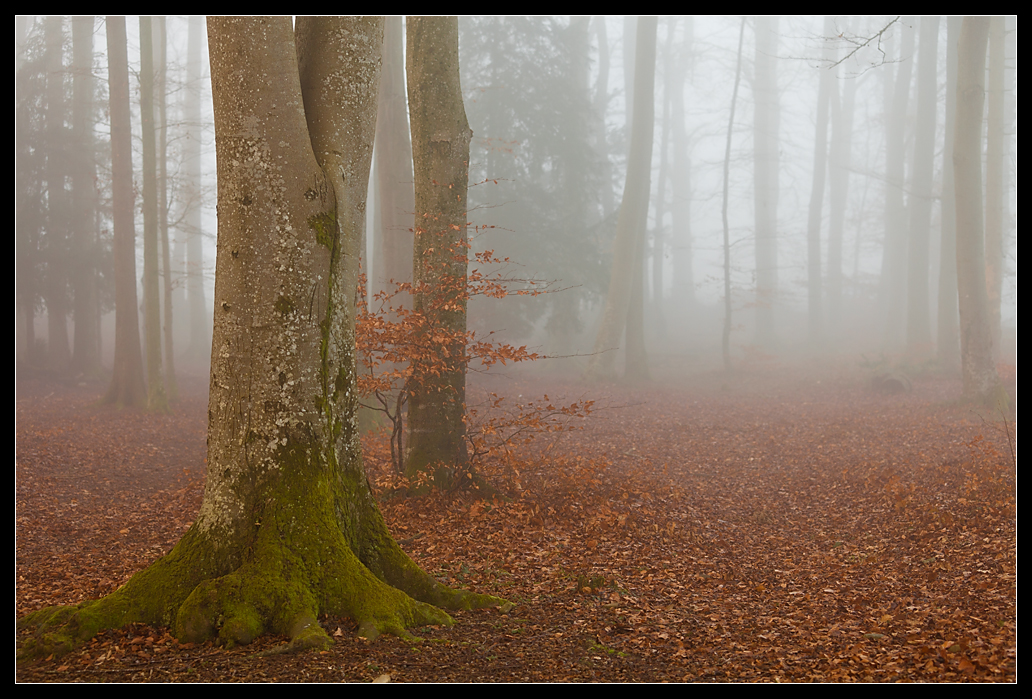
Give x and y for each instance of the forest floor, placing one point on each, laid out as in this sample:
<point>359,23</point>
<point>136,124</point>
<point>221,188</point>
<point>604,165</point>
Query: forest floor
<point>768,526</point>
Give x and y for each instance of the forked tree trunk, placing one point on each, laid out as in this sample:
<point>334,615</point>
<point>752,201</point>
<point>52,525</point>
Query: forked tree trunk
<point>288,529</point>
<point>440,153</point>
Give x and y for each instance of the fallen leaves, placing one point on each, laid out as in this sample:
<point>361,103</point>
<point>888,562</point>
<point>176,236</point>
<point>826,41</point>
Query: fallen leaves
<point>823,533</point>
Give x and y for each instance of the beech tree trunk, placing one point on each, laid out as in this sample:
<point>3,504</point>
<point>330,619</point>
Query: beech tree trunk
<point>288,528</point>
<point>127,385</point>
<point>440,153</point>
<point>976,346</point>
<point>765,177</point>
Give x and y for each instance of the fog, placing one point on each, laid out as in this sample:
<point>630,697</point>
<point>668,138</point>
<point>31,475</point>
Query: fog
<point>549,101</point>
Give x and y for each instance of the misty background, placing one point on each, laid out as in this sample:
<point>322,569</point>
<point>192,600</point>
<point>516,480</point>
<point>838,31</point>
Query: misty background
<point>836,198</point>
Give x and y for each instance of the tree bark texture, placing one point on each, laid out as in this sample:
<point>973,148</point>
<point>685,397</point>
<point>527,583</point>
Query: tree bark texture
<point>440,153</point>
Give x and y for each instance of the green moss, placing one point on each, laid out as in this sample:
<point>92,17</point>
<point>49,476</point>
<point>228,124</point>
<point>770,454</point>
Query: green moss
<point>284,306</point>
<point>325,227</point>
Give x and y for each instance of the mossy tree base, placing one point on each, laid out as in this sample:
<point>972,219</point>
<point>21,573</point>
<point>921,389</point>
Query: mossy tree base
<point>280,584</point>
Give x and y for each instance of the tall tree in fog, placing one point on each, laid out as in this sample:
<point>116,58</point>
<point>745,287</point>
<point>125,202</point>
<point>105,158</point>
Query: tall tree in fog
<point>681,181</point>
<point>86,353</point>
<point>976,345</point>
<point>58,218</point>
<point>161,142</point>
<point>157,399</point>
<point>392,242</point>
<point>726,339</point>
<point>127,384</point>
<point>440,153</point>
<point>766,118</point>
<point>919,332</point>
<point>996,164</point>
<point>947,329</point>
<point>826,87</point>
<point>630,227</point>
<point>892,288</point>
<point>642,88</point>
<point>599,104</point>
<point>28,188</point>
<point>842,107</point>
<point>199,350</point>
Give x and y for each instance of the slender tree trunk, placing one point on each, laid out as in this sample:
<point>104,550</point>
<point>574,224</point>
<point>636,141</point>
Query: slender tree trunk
<point>995,192</point>
<point>947,329</point>
<point>765,177</point>
<point>726,336</point>
<point>157,399</point>
<point>440,150</point>
<point>127,384</point>
<point>86,353</point>
<point>976,344</point>
<point>838,186</point>
<point>894,260</point>
<point>199,350</point>
<point>919,331</point>
<point>815,294</point>
<point>392,246</point>
<point>171,387</point>
<point>633,214</point>
<point>58,214</point>
<point>681,182</point>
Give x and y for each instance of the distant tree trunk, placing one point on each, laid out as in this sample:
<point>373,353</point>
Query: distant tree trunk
<point>765,176</point>
<point>995,164</point>
<point>58,218</point>
<point>171,388</point>
<point>630,224</point>
<point>199,351</point>
<point>726,338</point>
<point>919,331</point>
<point>127,385</point>
<point>893,285</point>
<point>820,162</point>
<point>681,183</point>
<point>976,345</point>
<point>948,343</point>
<point>838,186</point>
<point>392,245</point>
<point>157,399</point>
<point>86,354</point>
<point>28,205</point>
<point>440,150</point>
<point>600,102</point>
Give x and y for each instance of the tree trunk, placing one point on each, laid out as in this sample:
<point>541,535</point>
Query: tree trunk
<point>199,351</point>
<point>440,152</point>
<point>630,225</point>
<point>171,387</point>
<point>156,397</point>
<point>288,528</point>
<point>86,352</point>
<point>127,385</point>
<point>995,164</point>
<point>765,177</point>
<point>976,347</point>
<point>815,296</point>
<point>392,246</point>
<point>947,333</point>
<point>58,214</point>
<point>838,186</point>
<point>893,285</point>
<point>919,330</point>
